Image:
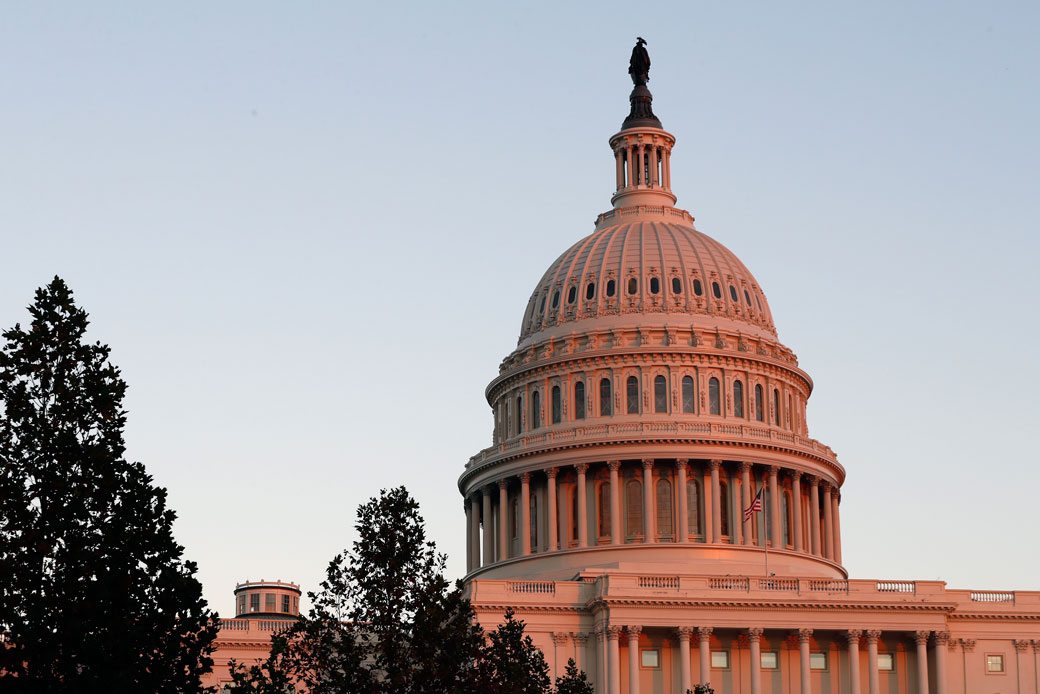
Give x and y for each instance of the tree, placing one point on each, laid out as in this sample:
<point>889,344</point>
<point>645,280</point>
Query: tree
<point>573,681</point>
<point>509,663</point>
<point>94,595</point>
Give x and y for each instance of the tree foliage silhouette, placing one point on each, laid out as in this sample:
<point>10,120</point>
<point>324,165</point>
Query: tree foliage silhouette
<point>573,681</point>
<point>94,595</point>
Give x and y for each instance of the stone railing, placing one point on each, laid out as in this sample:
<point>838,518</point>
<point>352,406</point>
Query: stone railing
<point>542,587</point>
<point>259,626</point>
<point>605,433</point>
<point>992,596</point>
<point>659,582</point>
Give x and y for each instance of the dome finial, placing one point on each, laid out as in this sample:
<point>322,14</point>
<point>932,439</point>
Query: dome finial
<point>641,113</point>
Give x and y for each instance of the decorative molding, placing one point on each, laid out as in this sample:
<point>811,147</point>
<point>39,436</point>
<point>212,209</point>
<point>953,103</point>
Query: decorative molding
<point>614,631</point>
<point>755,633</point>
<point>804,635</point>
<point>633,631</point>
<point>684,632</point>
<point>921,637</point>
<point>704,633</point>
<point>853,636</point>
<point>552,472</point>
<point>873,635</point>
<point>580,468</point>
<point>614,465</point>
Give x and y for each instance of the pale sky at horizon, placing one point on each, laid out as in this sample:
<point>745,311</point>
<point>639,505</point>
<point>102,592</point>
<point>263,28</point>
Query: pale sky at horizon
<point>309,236</point>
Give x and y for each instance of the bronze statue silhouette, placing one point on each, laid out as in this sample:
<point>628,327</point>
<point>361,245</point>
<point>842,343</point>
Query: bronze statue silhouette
<point>639,63</point>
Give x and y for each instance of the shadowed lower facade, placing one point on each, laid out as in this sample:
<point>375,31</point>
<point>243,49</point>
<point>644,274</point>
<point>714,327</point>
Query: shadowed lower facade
<point>648,404</point>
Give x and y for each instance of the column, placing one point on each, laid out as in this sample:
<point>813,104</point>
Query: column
<point>653,166</point>
<point>828,523</point>
<point>489,535</point>
<point>682,525</point>
<point>615,503</point>
<point>704,639</point>
<point>708,506</point>
<point>716,504</point>
<point>745,499</point>
<point>649,515</point>
<point>796,510</point>
<point>804,636</point>
<point>583,518</point>
<point>873,680</point>
<point>684,658</point>
<point>474,530</point>
<point>633,658</point>
<point>837,525</point>
<point>774,508</point>
<point>503,521</point>
<point>853,637</point>
<point>633,179</point>
<point>814,514</point>
<point>525,514</point>
<point>921,637</point>
<point>579,639</point>
<point>601,659</point>
<point>942,640</point>
<point>620,170</point>
<point>469,535</point>
<point>754,634</point>
<point>558,639</point>
<point>613,660</point>
<point>736,530</point>
<point>554,527</point>
<point>667,168</point>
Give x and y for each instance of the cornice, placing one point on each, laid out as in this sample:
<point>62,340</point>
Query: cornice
<point>780,605</point>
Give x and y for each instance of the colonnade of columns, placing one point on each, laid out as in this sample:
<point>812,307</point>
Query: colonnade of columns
<point>643,165</point>
<point>609,639</point>
<point>720,490</point>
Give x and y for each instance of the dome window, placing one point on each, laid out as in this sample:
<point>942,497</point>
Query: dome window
<point>632,395</point>
<point>556,298</point>
<point>733,294</point>
<point>557,405</point>
<point>747,298</point>
<point>697,289</point>
<point>606,404</point>
<point>758,302</point>
<point>738,399</point>
<point>687,395</point>
<point>541,307</point>
<point>660,394</point>
<point>759,405</point>
<point>536,410</point>
<point>572,294</point>
<point>655,285</point>
<point>676,285</point>
<point>633,285</point>
<point>716,290</point>
<point>590,291</point>
<point>610,287</point>
<point>714,406</point>
<point>579,400</point>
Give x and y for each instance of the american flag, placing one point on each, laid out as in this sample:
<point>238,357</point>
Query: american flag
<point>756,505</point>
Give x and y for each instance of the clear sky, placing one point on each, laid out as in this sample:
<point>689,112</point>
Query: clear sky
<point>309,231</point>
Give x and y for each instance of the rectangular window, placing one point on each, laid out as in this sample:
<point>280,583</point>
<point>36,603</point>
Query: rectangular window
<point>241,604</point>
<point>651,658</point>
<point>254,602</point>
<point>885,661</point>
<point>285,603</point>
<point>720,660</point>
<point>269,601</point>
<point>817,661</point>
<point>770,660</point>
<point>994,663</point>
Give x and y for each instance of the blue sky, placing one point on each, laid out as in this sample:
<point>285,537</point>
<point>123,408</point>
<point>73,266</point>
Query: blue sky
<point>309,233</point>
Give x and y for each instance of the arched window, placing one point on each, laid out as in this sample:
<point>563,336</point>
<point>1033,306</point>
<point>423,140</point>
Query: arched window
<point>664,508</point>
<point>633,284</point>
<point>687,395</point>
<point>697,289</point>
<point>714,406</point>
<point>590,291</point>
<point>534,521</point>
<point>572,294</point>
<point>579,400</point>
<point>556,298</point>
<point>610,287</point>
<point>716,290</point>
<point>776,407</point>
<point>536,410</point>
<point>676,285</point>
<point>660,394</point>
<point>693,507</point>
<point>604,509</point>
<point>634,508</point>
<point>519,415</point>
<point>724,506</point>
<point>655,285</point>
<point>758,404</point>
<point>632,395</point>
<point>606,404</point>
<point>556,405</point>
<point>738,399</point>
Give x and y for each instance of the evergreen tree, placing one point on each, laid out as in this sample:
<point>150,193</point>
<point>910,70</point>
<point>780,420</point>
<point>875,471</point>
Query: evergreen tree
<point>94,595</point>
<point>510,663</point>
<point>573,681</point>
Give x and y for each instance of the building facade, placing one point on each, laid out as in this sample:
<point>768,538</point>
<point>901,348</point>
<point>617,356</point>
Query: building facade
<point>652,504</point>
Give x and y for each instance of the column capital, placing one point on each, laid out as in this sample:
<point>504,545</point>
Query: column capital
<point>684,633</point>
<point>633,631</point>
<point>503,483</point>
<point>795,475</point>
<point>942,638</point>
<point>968,645</point>
<point>921,637</point>
<point>755,633</point>
<point>714,464</point>
<point>872,635</point>
<point>525,476</point>
<point>552,472</point>
<point>705,632</point>
<point>648,463</point>
<point>804,635</point>
<point>745,466</point>
<point>1036,645</point>
<point>579,637</point>
<point>559,637</point>
<point>1021,644</point>
<point>774,471</point>
<point>601,633</point>
<point>681,462</point>
<point>853,636</point>
<point>581,468</point>
<point>614,465</point>
<point>813,480</point>
<point>614,631</point>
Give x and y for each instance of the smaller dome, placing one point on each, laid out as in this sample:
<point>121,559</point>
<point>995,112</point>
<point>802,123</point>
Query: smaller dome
<point>652,271</point>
